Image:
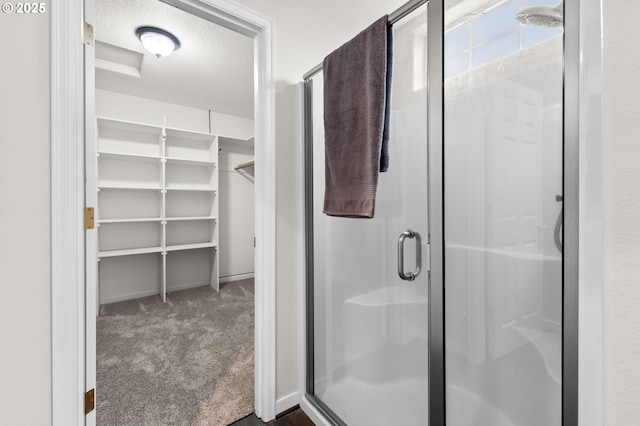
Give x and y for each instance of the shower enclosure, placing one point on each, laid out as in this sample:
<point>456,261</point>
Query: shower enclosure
<point>456,303</point>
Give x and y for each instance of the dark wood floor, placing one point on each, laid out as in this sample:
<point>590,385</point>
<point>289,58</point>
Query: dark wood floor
<point>292,418</point>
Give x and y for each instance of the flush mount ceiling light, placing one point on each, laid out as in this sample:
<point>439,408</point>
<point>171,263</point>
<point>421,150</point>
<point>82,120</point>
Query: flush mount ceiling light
<point>157,41</point>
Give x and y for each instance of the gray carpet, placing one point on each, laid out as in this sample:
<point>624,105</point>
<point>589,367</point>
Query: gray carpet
<point>186,362</point>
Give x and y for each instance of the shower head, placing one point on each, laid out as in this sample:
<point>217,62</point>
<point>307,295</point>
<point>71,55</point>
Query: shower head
<point>542,16</point>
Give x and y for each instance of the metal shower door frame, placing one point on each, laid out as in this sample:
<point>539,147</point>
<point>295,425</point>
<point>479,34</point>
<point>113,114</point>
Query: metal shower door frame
<point>436,208</point>
<point>435,188</point>
<point>435,89</point>
<point>570,228</point>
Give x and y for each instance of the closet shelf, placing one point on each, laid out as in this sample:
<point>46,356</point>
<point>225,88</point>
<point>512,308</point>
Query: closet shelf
<point>191,246</point>
<point>129,252</point>
<point>190,161</point>
<point>127,187</point>
<point>157,192</point>
<point>126,156</point>
<point>191,188</point>
<point>245,165</point>
<point>135,127</point>
<point>185,218</point>
<point>130,220</point>
<point>188,134</point>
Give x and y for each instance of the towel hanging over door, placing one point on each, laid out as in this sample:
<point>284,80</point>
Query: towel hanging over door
<point>357,93</point>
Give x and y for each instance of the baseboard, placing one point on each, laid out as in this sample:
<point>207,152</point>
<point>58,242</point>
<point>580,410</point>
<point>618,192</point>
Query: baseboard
<point>238,277</point>
<point>287,402</point>
<point>186,286</point>
<point>173,288</point>
<point>129,296</point>
<point>146,293</point>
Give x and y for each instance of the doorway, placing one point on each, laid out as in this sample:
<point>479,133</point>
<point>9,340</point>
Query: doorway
<point>72,367</point>
<point>174,333</point>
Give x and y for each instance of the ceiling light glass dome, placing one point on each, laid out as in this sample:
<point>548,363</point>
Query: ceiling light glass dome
<point>157,41</point>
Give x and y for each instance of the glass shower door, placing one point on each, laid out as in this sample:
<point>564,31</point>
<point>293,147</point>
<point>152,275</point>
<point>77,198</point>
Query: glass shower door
<point>370,326</point>
<point>503,212</point>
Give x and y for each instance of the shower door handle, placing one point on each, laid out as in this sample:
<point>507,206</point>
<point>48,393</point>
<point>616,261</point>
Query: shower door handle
<point>409,276</point>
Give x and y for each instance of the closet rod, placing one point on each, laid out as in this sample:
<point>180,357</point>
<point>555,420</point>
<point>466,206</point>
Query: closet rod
<point>245,165</point>
<point>394,17</point>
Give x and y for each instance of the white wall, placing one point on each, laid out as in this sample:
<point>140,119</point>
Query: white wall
<point>25,216</point>
<point>621,168</point>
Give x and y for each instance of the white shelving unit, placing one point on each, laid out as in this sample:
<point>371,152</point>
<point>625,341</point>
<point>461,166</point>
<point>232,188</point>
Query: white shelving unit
<point>157,196</point>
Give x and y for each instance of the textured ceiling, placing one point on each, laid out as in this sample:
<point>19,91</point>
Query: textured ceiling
<point>212,70</point>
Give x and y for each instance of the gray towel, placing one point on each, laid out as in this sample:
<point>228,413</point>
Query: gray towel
<point>357,79</point>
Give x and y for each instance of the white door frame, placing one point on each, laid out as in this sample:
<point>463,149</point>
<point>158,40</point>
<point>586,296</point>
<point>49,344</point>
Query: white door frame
<point>67,201</point>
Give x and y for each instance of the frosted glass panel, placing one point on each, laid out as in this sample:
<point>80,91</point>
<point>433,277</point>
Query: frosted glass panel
<point>503,187</point>
<point>370,326</point>
<point>456,42</point>
<point>495,23</point>
<point>533,35</point>
<point>496,49</point>
<point>531,3</point>
<point>456,65</point>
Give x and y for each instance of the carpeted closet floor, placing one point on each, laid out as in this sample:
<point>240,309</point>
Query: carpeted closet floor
<point>185,362</point>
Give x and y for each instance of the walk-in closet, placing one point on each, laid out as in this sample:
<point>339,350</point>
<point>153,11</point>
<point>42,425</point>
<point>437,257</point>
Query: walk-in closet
<point>172,182</point>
